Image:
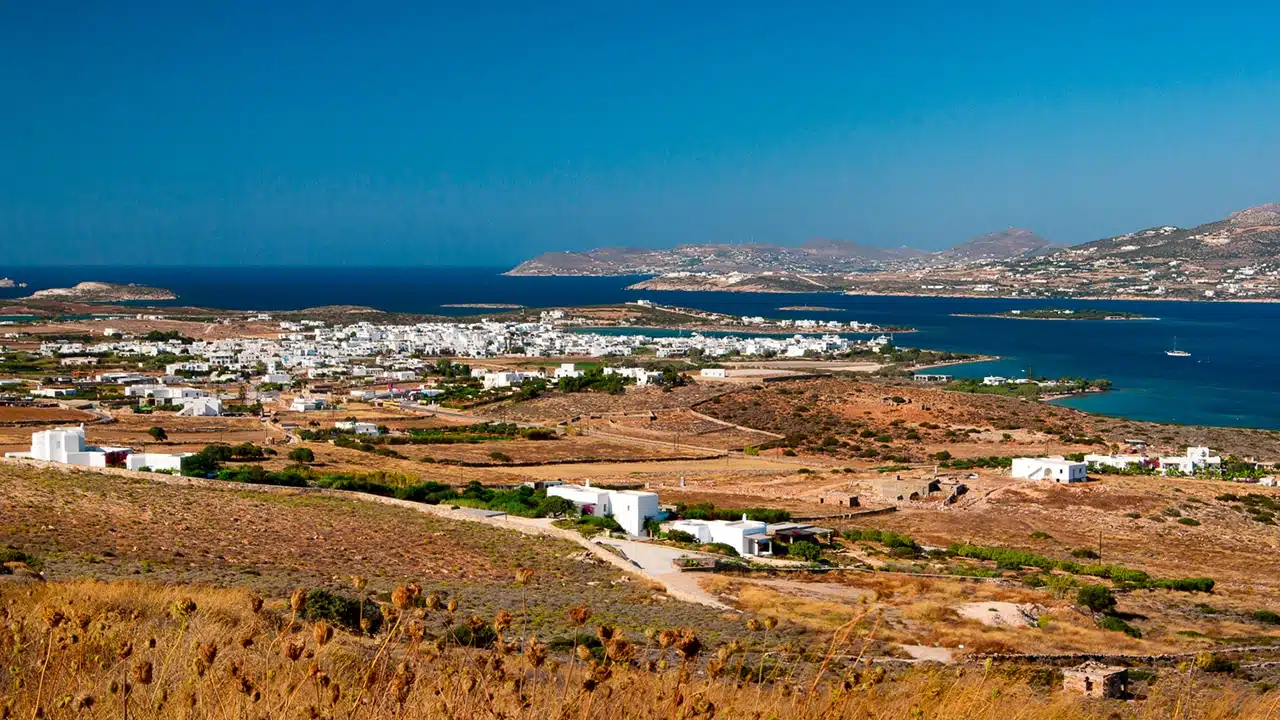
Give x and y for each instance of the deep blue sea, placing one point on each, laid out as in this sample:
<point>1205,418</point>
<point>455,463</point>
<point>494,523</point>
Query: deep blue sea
<point>1228,379</point>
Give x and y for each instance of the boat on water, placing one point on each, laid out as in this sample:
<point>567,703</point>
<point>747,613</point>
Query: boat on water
<point>1175,352</point>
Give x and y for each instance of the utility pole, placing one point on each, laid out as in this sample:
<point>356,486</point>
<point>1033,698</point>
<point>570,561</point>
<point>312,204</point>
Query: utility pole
<point>1099,543</point>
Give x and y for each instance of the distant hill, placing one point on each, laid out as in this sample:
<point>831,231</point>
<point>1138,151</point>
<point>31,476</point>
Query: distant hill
<point>1249,235</point>
<point>1000,245</point>
<point>815,256</point>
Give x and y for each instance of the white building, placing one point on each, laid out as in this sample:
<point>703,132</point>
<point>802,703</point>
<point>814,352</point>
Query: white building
<point>1056,469</point>
<point>747,537</point>
<point>306,404</point>
<point>716,372</point>
<point>640,375</point>
<point>67,446</point>
<point>1116,461</point>
<point>994,380</point>
<point>568,370</point>
<point>1195,459</point>
<point>155,461</point>
<point>359,428</point>
<point>630,508</point>
<point>201,407</point>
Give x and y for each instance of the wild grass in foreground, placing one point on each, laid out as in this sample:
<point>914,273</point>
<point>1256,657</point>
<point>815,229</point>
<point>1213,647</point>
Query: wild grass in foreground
<point>130,650</point>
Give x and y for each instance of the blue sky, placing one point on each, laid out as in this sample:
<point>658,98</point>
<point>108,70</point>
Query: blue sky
<point>374,133</point>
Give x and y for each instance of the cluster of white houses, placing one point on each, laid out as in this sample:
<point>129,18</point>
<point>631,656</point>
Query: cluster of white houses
<point>633,509</point>
<point>1061,470</point>
<point>67,446</point>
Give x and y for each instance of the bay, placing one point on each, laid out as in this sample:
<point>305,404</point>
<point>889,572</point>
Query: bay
<point>1227,380</point>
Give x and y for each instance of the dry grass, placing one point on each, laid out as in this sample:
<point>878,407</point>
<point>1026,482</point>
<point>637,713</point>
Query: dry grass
<point>134,650</point>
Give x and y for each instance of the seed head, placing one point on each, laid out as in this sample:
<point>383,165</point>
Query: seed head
<point>584,653</point>
<point>208,652</point>
<point>322,632</point>
<point>524,575</point>
<point>579,615</point>
<point>366,624</point>
<point>535,652</point>
<point>475,623</point>
<point>182,608</point>
<point>770,622</point>
<point>452,607</point>
<point>298,600</point>
<point>53,617</point>
<point>142,672</point>
<point>401,597</point>
<point>667,638</point>
<point>754,625</point>
<point>293,651</point>
<point>434,603</point>
<point>502,620</point>
<point>688,644</point>
<point>359,582</point>
<point>125,651</point>
<point>255,603</point>
<point>605,633</point>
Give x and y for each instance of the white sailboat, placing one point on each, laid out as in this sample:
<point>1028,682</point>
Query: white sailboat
<point>1175,352</point>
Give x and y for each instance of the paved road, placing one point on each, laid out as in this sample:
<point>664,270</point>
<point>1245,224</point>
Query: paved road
<point>656,561</point>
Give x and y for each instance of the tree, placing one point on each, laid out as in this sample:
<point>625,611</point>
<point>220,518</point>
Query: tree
<point>302,455</point>
<point>1097,598</point>
<point>158,434</point>
<point>556,507</point>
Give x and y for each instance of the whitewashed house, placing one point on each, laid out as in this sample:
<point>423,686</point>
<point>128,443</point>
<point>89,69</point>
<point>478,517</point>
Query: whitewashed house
<point>630,508</point>
<point>747,537</point>
<point>306,404</point>
<point>720,373</point>
<point>1196,458</point>
<point>155,461</point>
<point>67,446</point>
<point>567,370</point>
<point>207,406</point>
<point>359,428</point>
<point>1055,469</point>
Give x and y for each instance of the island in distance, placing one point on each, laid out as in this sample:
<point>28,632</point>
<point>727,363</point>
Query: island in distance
<point>1229,259</point>
<point>103,292</point>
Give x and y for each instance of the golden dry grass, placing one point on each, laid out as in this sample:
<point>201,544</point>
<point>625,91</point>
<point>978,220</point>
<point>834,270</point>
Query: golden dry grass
<point>132,650</point>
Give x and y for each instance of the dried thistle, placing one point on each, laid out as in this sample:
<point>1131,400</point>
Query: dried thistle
<point>182,608</point>
<point>579,615</point>
<point>298,600</point>
<point>452,607</point>
<point>770,622</point>
<point>667,638</point>
<point>688,645</point>
<point>208,652</point>
<point>754,625</point>
<point>359,582</point>
<point>524,575</point>
<point>535,652</point>
<point>401,597</point>
<point>255,603</point>
<point>293,651</point>
<point>142,672</point>
<point>502,620</point>
<point>322,632</point>
<point>125,651</point>
<point>434,603</point>
<point>53,617</point>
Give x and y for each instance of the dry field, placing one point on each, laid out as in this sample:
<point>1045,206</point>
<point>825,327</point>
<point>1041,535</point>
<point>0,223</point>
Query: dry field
<point>91,525</point>
<point>14,415</point>
<point>133,326</point>
<point>558,407</point>
<point>571,448</point>
<point>107,651</point>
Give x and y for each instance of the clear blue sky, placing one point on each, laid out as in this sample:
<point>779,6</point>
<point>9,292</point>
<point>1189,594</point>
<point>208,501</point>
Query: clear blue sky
<point>229,132</point>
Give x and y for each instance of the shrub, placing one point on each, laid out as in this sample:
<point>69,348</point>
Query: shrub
<point>1267,616</point>
<point>680,536</point>
<point>942,455</point>
<point>1041,535</point>
<point>341,610</point>
<point>805,550</point>
<point>11,555</point>
<point>1085,553</point>
<point>1097,598</point>
<point>158,434</point>
<point>499,456</point>
<point>1188,521</point>
<point>556,507</point>
<point>721,549</point>
<point>1111,622</point>
<point>1209,662</point>
<point>302,455</point>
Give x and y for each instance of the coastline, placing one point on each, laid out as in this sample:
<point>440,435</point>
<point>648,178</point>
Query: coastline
<point>1050,319</point>
<point>950,363</point>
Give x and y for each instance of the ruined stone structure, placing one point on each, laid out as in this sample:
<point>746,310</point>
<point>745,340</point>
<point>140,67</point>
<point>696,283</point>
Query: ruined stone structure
<point>1094,679</point>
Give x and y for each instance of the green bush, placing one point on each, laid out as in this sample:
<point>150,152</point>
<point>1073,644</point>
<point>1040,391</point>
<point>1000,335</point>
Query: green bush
<point>1097,598</point>
<point>805,550</point>
<point>13,555</point>
<point>1111,622</point>
<point>302,455</point>
<point>680,536</point>
<point>1188,521</point>
<point>1267,616</point>
<point>341,610</point>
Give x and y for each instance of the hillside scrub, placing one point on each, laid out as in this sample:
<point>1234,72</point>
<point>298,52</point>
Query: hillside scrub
<point>154,651</point>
